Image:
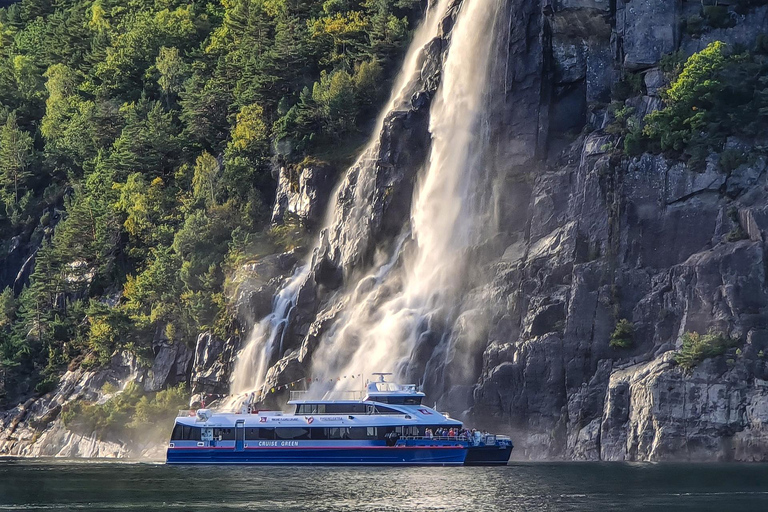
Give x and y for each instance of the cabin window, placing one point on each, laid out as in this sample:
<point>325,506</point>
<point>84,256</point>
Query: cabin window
<point>338,433</point>
<point>224,434</point>
<point>253,434</point>
<point>310,409</point>
<point>380,409</point>
<point>345,408</point>
<point>363,433</point>
<point>399,400</point>
<point>292,433</point>
<point>411,431</point>
<point>318,433</point>
<point>185,433</point>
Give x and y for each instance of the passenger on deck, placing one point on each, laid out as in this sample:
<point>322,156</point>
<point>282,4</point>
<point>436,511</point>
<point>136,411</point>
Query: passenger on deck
<point>428,433</point>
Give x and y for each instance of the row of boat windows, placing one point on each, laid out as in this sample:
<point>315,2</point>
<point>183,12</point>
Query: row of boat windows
<point>187,433</point>
<point>344,409</point>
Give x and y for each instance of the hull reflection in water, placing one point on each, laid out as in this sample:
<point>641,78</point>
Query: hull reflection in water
<point>389,426</point>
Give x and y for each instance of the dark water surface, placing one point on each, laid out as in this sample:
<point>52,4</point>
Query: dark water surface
<point>55,485</point>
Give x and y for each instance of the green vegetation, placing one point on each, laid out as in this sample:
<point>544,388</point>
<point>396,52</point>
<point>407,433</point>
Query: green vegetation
<point>697,347</point>
<point>130,415</point>
<point>717,93</point>
<point>622,336</point>
<point>153,125</point>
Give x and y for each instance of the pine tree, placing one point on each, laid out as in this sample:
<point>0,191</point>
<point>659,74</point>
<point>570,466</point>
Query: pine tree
<point>15,157</point>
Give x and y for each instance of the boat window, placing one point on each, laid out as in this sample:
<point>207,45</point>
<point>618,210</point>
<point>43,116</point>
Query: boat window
<point>354,408</point>
<point>362,433</point>
<point>411,431</point>
<point>345,408</point>
<point>292,433</point>
<point>259,433</point>
<point>185,433</point>
<point>399,400</point>
<point>318,433</point>
<point>225,434</point>
<point>311,409</point>
<point>380,409</point>
<point>336,433</point>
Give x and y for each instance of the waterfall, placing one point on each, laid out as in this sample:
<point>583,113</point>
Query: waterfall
<point>415,293</point>
<point>265,338</point>
<point>381,327</point>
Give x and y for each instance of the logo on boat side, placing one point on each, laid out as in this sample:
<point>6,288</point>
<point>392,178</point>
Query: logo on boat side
<point>278,443</point>
<point>262,419</point>
<point>309,419</point>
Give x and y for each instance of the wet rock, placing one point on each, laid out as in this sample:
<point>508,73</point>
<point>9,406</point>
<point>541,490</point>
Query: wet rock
<point>304,192</point>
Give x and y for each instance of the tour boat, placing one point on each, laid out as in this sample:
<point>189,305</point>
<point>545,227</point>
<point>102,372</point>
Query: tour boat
<point>389,426</point>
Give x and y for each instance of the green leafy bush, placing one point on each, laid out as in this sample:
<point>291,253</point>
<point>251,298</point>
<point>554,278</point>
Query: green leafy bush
<point>717,94</point>
<point>622,336</point>
<point>696,348</point>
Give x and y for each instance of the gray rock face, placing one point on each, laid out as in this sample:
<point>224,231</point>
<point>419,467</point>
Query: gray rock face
<point>591,239</point>
<point>636,239</point>
<point>34,428</point>
<point>212,365</point>
<point>650,29</point>
<point>303,191</point>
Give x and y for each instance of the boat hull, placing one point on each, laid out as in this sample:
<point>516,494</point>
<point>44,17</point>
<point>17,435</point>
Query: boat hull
<point>490,455</point>
<point>367,455</point>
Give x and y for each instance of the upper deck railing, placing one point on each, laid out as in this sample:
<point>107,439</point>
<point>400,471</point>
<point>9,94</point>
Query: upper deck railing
<point>487,439</point>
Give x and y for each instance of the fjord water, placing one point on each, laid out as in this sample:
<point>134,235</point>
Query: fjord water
<point>57,485</point>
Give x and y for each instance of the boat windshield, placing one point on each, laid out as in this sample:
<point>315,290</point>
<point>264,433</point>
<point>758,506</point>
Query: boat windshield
<point>391,387</point>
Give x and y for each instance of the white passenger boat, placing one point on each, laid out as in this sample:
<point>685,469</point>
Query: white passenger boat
<point>388,426</point>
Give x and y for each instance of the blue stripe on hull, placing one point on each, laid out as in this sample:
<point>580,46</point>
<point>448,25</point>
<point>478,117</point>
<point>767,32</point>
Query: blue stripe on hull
<point>355,456</point>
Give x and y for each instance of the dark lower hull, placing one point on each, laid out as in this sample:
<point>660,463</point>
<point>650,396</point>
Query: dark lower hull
<point>491,455</point>
<point>395,455</point>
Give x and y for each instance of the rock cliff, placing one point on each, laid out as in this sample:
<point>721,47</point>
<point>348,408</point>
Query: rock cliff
<point>591,236</point>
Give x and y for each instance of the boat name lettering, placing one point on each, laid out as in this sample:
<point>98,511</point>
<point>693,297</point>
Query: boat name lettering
<point>278,443</point>
<point>284,419</point>
<point>330,418</point>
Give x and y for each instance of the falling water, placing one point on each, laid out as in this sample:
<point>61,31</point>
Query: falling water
<point>381,327</point>
<point>266,337</point>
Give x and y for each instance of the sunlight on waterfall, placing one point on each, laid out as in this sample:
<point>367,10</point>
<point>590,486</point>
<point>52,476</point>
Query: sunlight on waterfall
<point>381,328</point>
<point>264,339</point>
